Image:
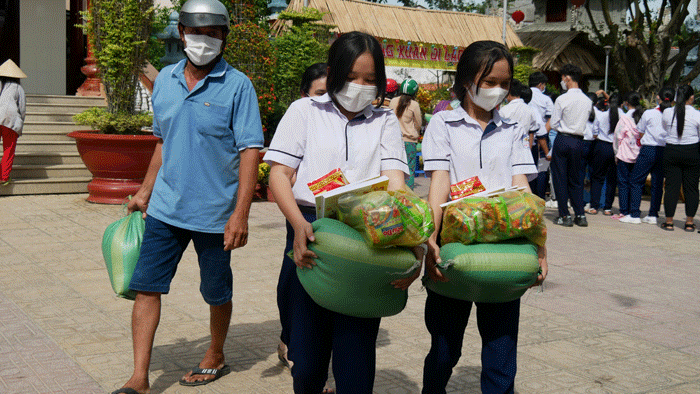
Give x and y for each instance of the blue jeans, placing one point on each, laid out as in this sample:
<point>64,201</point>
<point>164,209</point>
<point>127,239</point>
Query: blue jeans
<point>624,172</point>
<point>313,333</point>
<point>446,319</point>
<point>648,161</point>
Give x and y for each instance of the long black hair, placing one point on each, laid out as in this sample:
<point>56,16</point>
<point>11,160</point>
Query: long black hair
<point>478,59</point>
<point>613,114</point>
<point>342,55</point>
<point>403,103</point>
<point>635,100</point>
<point>666,98</point>
<point>683,94</point>
<point>312,73</point>
<point>594,101</point>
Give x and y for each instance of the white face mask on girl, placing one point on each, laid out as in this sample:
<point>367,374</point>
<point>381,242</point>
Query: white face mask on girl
<point>487,99</point>
<point>202,49</point>
<point>355,97</point>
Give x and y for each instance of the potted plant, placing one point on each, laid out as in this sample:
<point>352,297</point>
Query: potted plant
<point>118,149</point>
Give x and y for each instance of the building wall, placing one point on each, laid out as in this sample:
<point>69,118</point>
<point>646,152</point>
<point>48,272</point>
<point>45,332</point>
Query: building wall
<point>43,46</point>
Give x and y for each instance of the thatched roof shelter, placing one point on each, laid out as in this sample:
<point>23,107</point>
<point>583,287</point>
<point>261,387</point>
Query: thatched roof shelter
<point>559,48</point>
<point>417,25</point>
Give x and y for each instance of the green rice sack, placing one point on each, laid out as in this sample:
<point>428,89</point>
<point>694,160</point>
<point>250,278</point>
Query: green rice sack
<point>121,244</point>
<point>489,272</point>
<point>350,277</point>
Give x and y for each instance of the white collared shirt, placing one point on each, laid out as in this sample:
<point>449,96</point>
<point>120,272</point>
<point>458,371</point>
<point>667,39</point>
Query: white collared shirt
<point>601,125</point>
<point>315,138</point>
<point>691,126</point>
<point>456,143</point>
<point>519,112</point>
<point>650,125</point>
<point>543,107</point>
<point>571,112</point>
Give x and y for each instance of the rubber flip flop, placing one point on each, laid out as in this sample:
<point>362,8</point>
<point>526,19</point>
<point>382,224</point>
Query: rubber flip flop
<point>125,390</point>
<point>225,370</point>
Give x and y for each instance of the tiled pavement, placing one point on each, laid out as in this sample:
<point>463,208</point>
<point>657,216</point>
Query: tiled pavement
<point>620,312</point>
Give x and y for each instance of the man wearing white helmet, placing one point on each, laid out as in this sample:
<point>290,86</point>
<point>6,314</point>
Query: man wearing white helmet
<point>198,188</point>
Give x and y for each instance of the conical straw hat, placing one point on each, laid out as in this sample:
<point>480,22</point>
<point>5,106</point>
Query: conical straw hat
<point>10,69</point>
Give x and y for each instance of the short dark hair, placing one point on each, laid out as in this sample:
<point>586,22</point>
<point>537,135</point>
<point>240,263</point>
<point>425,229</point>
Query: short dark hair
<point>517,89</point>
<point>342,55</point>
<point>312,73</point>
<point>572,71</point>
<point>537,78</point>
<point>478,59</point>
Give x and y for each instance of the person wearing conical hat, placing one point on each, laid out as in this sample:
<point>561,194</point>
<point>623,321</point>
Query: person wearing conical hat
<point>12,112</point>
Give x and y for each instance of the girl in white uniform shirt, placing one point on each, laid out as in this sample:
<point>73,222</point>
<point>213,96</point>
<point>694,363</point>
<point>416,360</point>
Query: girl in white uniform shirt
<point>472,140</point>
<point>316,135</point>
<point>681,160</point>
<point>649,160</point>
<point>603,157</point>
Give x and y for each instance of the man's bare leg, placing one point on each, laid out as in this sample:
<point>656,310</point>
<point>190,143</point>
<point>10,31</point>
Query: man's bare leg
<point>219,322</point>
<point>144,322</point>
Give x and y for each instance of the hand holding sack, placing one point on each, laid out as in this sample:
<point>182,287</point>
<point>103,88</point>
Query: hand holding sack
<point>121,244</point>
<point>350,277</point>
<point>388,218</point>
<point>488,253</point>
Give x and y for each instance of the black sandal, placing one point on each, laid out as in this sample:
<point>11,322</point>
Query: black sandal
<point>689,227</point>
<point>667,226</point>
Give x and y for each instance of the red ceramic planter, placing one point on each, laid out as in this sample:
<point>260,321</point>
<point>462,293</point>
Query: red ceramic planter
<point>118,163</point>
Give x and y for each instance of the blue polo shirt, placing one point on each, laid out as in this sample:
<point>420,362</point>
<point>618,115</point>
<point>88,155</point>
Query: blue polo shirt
<point>203,131</point>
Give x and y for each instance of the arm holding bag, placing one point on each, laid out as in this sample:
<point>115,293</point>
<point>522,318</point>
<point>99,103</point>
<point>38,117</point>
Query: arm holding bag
<point>121,244</point>
<point>350,277</point>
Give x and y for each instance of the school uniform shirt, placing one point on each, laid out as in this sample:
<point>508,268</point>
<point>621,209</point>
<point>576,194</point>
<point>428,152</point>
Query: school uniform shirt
<point>588,134</point>
<point>315,138</point>
<point>691,126</point>
<point>650,125</point>
<point>519,112</point>
<point>601,125</point>
<point>571,112</point>
<point>543,107</point>
<point>455,142</point>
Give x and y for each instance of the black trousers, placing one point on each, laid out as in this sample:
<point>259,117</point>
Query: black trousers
<point>567,160</point>
<point>681,164</point>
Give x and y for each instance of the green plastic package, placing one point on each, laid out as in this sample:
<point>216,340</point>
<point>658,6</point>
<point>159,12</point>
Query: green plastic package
<point>121,244</point>
<point>350,277</point>
<point>488,272</point>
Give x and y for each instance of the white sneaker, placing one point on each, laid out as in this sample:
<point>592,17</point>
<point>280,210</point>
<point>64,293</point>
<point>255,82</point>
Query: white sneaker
<point>650,219</point>
<point>630,219</point>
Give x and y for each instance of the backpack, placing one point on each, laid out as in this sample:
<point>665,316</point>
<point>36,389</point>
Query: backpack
<point>627,140</point>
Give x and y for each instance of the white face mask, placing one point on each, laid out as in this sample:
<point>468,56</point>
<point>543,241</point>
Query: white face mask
<point>563,86</point>
<point>354,97</point>
<point>202,49</point>
<point>487,99</point>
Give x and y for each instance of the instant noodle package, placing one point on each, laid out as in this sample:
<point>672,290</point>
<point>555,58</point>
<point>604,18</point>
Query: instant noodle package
<point>388,218</point>
<point>511,214</point>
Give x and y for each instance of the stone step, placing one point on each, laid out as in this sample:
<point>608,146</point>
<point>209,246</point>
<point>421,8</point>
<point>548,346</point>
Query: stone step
<point>46,186</point>
<point>49,99</point>
<point>66,127</point>
<point>35,116</point>
<point>46,146</point>
<point>47,158</point>
<point>59,108</point>
<point>40,171</point>
<point>43,135</point>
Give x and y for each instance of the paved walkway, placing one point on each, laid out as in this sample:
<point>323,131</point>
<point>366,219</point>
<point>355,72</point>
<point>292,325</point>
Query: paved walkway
<point>620,312</point>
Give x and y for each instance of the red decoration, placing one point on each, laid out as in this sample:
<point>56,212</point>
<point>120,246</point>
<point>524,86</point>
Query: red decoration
<point>578,3</point>
<point>518,16</point>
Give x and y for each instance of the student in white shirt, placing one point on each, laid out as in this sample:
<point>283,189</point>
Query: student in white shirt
<point>569,118</point>
<point>316,135</point>
<point>650,158</point>
<point>603,156</point>
<point>681,160</point>
<point>470,140</point>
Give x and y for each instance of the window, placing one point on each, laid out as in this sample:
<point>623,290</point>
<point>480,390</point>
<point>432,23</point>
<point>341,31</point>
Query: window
<point>556,11</point>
